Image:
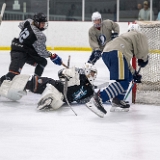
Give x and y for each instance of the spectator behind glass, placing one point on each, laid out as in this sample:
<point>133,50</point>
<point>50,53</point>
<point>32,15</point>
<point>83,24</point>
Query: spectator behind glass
<point>71,13</point>
<point>139,6</point>
<point>144,13</point>
<point>158,17</point>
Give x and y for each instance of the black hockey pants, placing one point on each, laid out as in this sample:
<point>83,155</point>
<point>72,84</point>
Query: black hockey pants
<point>18,59</point>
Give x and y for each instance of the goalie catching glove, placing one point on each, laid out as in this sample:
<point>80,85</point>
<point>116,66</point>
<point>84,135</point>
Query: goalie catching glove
<point>56,59</point>
<point>71,74</point>
<point>66,73</point>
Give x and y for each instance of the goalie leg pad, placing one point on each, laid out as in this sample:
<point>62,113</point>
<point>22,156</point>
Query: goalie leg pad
<point>51,98</point>
<point>14,89</point>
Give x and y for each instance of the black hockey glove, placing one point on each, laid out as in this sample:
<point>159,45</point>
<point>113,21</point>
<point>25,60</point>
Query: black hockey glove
<point>95,55</point>
<point>142,63</point>
<point>137,77</point>
<point>114,35</point>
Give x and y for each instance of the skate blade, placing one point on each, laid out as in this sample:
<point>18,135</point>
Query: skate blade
<point>44,104</point>
<point>113,109</point>
<point>118,109</point>
<point>94,110</point>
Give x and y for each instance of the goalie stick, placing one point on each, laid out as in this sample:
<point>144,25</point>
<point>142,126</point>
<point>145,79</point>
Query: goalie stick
<point>66,86</point>
<point>2,12</point>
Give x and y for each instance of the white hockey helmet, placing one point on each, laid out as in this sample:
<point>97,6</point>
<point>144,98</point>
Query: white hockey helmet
<point>90,72</point>
<point>133,27</point>
<point>96,16</point>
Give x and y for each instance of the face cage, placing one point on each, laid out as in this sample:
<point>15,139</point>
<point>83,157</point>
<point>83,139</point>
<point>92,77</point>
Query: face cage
<point>38,25</point>
<point>97,25</point>
<point>92,78</point>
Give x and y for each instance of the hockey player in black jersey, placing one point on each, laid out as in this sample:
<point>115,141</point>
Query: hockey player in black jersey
<point>80,87</point>
<point>30,47</point>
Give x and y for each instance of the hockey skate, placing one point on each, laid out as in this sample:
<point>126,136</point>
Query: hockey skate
<point>44,104</point>
<point>119,105</point>
<point>95,105</point>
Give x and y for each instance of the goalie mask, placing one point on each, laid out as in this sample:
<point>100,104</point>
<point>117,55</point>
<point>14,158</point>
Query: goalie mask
<point>40,21</point>
<point>133,27</point>
<point>96,19</point>
<point>90,72</point>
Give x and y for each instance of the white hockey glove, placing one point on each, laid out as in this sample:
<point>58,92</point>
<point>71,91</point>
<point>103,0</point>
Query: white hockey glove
<point>71,74</point>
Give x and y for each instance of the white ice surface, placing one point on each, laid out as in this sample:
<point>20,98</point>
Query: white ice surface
<point>27,134</point>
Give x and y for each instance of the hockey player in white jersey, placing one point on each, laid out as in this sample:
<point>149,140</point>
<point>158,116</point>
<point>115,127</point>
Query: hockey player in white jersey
<point>100,34</point>
<point>117,55</point>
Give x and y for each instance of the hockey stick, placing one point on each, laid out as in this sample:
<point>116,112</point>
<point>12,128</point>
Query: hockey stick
<point>2,12</point>
<point>65,87</point>
<point>126,96</point>
<point>64,65</point>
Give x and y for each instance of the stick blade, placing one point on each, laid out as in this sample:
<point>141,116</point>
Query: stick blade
<point>3,9</point>
<point>2,12</point>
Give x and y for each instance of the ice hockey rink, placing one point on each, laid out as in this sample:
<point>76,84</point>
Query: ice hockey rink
<point>28,134</point>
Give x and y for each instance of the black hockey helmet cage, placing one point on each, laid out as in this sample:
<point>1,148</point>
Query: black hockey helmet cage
<point>38,18</point>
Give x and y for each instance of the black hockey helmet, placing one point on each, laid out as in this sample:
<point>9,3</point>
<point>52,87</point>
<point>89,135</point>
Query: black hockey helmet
<point>38,18</point>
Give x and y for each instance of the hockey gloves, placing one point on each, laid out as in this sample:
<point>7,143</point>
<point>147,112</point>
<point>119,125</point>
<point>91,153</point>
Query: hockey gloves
<point>114,35</point>
<point>56,59</point>
<point>142,63</point>
<point>66,73</point>
<point>137,77</point>
<point>95,55</point>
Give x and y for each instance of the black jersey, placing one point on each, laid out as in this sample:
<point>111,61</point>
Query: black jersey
<point>80,92</point>
<point>30,40</point>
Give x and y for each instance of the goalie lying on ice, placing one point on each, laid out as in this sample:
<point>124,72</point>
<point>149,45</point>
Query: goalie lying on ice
<point>80,81</point>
